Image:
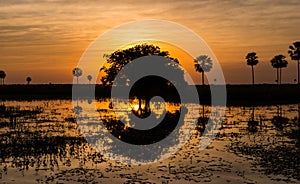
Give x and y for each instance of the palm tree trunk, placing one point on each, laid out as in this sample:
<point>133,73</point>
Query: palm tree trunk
<point>298,119</point>
<point>280,76</point>
<point>252,75</point>
<point>277,76</point>
<point>202,78</point>
<point>298,73</point>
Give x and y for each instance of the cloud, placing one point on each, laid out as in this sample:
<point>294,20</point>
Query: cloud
<point>231,27</point>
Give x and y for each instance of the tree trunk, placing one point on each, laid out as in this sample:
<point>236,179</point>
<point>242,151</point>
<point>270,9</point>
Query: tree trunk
<point>252,75</point>
<point>202,78</point>
<point>280,76</point>
<point>298,73</point>
<point>299,115</point>
<point>277,76</point>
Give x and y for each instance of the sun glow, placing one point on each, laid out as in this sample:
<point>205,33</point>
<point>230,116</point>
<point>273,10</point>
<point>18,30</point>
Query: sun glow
<point>135,107</point>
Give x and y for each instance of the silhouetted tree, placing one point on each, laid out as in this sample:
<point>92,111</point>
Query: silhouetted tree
<point>203,64</point>
<point>77,72</point>
<point>279,62</point>
<point>2,77</point>
<point>252,60</point>
<point>294,52</point>
<point>89,78</point>
<point>117,60</point>
<point>28,79</point>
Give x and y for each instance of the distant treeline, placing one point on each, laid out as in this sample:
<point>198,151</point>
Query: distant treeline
<point>261,94</point>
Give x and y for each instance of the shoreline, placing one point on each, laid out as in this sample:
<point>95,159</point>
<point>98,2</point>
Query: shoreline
<point>246,95</point>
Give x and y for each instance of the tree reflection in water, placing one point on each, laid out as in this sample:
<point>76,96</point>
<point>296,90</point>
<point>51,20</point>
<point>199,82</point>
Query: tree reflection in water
<point>252,123</point>
<point>48,140</point>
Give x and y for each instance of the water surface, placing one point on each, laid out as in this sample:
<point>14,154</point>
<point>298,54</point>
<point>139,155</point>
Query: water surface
<point>41,143</point>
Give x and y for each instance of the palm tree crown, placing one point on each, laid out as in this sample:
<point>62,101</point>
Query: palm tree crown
<point>252,60</point>
<point>77,72</point>
<point>279,62</point>
<point>203,64</point>
<point>28,79</point>
<point>2,76</point>
<point>294,52</point>
<point>89,77</point>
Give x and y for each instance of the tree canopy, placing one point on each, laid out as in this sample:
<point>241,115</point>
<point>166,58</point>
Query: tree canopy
<point>118,59</point>
<point>294,52</point>
<point>279,61</point>
<point>203,64</point>
<point>2,76</point>
<point>252,60</point>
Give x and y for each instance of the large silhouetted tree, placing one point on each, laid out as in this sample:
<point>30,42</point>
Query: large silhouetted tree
<point>294,52</point>
<point>252,60</point>
<point>279,62</point>
<point>77,72</point>
<point>2,77</point>
<point>117,60</point>
<point>203,64</point>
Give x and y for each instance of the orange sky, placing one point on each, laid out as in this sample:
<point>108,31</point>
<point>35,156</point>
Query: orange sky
<point>45,39</point>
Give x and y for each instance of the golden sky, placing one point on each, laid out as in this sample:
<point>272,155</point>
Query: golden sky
<point>45,39</point>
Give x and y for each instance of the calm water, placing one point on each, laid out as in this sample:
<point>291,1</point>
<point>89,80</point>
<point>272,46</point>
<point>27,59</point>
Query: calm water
<point>41,143</point>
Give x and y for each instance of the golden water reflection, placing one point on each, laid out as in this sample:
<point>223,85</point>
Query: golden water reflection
<point>43,136</point>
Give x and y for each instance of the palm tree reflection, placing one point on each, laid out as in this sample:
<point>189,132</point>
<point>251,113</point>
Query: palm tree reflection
<point>278,121</point>
<point>202,121</point>
<point>252,123</point>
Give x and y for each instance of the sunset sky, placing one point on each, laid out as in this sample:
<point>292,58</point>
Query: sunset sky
<point>45,39</point>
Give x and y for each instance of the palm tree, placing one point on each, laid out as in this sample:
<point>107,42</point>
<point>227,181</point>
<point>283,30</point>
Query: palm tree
<point>2,77</point>
<point>203,64</point>
<point>252,60</point>
<point>294,52</point>
<point>28,79</point>
<point>77,72</point>
<point>279,62</point>
<point>89,77</point>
